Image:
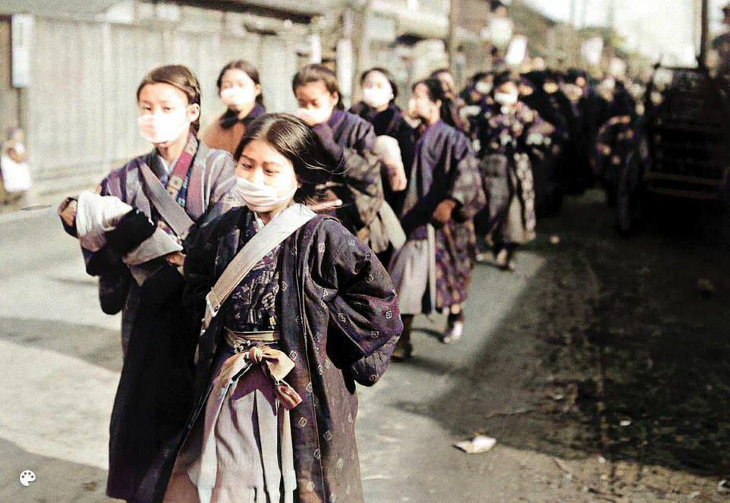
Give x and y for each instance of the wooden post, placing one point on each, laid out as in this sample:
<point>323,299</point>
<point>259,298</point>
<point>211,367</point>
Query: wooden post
<point>704,33</point>
<point>453,43</point>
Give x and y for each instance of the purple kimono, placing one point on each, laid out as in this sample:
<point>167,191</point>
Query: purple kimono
<point>509,135</point>
<point>390,122</point>
<point>357,182</point>
<point>445,167</point>
<point>154,396</point>
<point>339,322</point>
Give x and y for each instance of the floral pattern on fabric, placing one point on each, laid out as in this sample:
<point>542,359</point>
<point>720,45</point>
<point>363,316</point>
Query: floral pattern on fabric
<point>252,305</point>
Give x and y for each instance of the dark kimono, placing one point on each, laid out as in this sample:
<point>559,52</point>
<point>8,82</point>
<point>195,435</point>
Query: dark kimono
<point>154,396</point>
<point>444,167</point>
<point>349,142</point>
<point>508,174</point>
<point>390,122</point>
<point>339,322</point>
<point>621,156</point>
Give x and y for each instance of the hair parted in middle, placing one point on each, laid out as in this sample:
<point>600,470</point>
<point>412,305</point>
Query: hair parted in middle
<point>296,141</point>
<point>180,77</point>
<point>318,73</point>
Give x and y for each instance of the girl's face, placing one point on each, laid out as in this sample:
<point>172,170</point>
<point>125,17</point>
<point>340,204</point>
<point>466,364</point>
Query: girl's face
<point>506,94</point>
<point>261,164</point>
<point>420,105</point>
<point>376,90</point>
<point>165,114</point>
<point>447,82</point>
<point>315,98</point>
<point>376,80</point>
<point>507,88</point>
<point>238,90</point>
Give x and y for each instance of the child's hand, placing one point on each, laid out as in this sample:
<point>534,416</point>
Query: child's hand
<point>67,211</point>
<point>176,259</point>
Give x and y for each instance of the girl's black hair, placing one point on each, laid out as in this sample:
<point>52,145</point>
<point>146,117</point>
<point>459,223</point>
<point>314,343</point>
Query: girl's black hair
<point>477,77</point>
<point>503,78</point>
<point>296,141</point>
<point>436,93</point>
<point>318,73</point>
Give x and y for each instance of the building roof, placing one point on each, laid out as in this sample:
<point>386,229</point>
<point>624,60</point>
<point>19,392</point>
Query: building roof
<point>64,8</point>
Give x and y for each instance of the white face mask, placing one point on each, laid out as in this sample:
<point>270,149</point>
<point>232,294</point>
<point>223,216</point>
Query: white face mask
<point>161,128</point>
<point>314,116</point>
<point>505,99</point>
<point>483,87</point>
<point>260,197</point>
<point>238,97</point>
<point>375,97</point>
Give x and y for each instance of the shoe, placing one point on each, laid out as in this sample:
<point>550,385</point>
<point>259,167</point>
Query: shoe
<point>454,333</point>
<point>402,352</point>
<point>501,259</point>
<point>483,258</point>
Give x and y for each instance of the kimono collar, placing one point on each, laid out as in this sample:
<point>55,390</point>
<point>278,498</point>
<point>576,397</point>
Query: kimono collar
<point>230,117</point>
<point>336,118</point>
<point>433,127</point>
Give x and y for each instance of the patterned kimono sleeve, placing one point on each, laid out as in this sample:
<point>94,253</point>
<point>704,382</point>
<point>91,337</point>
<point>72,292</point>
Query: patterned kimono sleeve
<point>360,177</point>
<point>362,168</point>
<point>364,319</point>
<point>466,187</point>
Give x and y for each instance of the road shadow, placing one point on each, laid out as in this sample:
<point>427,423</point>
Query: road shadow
<point>95,345</point>
<point>57,480</point>
<point>613,349</point>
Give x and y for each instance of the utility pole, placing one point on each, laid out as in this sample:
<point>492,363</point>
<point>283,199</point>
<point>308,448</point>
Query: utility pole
<point>584,14</point>
<point>574,13</point>
<point>704,32</point>
<point>453,44</point>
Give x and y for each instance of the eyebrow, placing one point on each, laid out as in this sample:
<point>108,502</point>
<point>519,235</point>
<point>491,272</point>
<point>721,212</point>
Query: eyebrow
<point>248,159</point>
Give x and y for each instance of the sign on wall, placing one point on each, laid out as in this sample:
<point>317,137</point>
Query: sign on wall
<point>21,30</point>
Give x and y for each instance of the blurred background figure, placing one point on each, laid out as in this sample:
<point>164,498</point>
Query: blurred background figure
<point>509,129</point>
<point>378,107</point>
<point>239,89</point>
<point>15,180</point>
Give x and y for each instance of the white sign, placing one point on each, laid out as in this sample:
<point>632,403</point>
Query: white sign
<point>21,29</point>
<point>592,51</point>
<point>517,51</point>
<point>315,49</point>
<point>345,67</point>
<point>500,31</point>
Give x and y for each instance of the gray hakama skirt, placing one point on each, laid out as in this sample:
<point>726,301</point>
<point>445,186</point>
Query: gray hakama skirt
<point>243,453</point>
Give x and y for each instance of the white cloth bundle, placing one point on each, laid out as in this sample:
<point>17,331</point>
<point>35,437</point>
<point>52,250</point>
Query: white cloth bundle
<point>95,215</point>
<point>388,151</point>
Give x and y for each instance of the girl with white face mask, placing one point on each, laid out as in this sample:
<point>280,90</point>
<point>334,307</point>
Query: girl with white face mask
<point>507,133</point>
<point>158,338</point>
<point>432,271</point>
<point>349,142</point>
<point>378,108</point>
<point>240,91</point>
<point>292,308</point>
